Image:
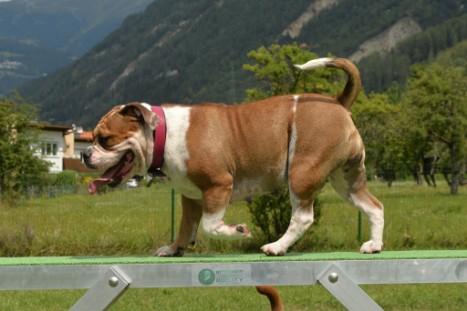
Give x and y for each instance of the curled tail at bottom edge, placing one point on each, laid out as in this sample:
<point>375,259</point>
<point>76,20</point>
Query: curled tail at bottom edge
<point>273,295</point>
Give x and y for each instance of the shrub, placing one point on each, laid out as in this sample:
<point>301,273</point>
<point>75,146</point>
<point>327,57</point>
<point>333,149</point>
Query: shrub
<point>272,213</point>
<point>66,178</point>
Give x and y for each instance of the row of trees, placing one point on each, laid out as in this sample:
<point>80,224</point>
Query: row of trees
<point>400,126</point>
<point>19,168</point>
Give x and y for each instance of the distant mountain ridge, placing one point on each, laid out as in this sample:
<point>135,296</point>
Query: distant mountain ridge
<point>192,51</point>
<point>44,35</point>
<point>388,39</point>
<point>69,26</point>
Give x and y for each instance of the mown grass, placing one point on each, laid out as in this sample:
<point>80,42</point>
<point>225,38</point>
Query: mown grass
<point>137,221</point>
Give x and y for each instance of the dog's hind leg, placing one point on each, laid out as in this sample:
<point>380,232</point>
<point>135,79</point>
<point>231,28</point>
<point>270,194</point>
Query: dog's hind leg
<point>191,215</point>
<point>215,202</point>
<point>306,177</point>
<point>301,220</point>
<point>350,183</point>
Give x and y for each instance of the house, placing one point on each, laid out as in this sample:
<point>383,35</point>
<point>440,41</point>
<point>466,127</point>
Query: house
<point>54,145</point>
<point>63,146</point>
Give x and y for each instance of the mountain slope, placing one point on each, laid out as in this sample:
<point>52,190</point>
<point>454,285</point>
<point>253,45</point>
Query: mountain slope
<point>191,51</point>
<point>69,26</point>
<point>66,29</point>
<point>21,61</point>
<point>380,70</point>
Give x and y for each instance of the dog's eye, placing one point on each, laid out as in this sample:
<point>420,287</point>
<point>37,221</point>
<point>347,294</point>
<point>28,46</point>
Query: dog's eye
<point>103,141</point>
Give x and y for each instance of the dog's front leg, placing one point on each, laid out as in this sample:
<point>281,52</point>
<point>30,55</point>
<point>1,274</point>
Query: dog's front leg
<point>191,215</point>
<point>215,202</point>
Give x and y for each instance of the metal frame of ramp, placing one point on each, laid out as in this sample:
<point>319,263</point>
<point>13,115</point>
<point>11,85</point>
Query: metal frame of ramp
<point>107,278</point>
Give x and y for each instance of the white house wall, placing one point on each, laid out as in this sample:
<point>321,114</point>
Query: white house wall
<point>52,137</point>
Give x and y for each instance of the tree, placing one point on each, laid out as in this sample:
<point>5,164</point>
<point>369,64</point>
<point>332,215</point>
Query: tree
<point>375,118</point>
<point>435,111</point>
<point>275,69</point>
<point>19,168</point>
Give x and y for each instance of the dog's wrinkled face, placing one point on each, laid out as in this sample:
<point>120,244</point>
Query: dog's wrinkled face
<point>122,145</point>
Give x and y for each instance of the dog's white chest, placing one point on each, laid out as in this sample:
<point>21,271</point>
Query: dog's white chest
<point>176,152</point>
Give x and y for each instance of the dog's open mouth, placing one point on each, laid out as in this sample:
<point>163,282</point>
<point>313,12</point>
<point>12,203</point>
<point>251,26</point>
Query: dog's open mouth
<point>114,175</point>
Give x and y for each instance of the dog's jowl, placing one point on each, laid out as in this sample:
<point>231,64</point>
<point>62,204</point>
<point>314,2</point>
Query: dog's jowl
<point>214,154</point>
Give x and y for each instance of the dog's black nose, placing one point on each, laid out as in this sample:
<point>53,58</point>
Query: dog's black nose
<point>86,157</point>
<point>87,153</point>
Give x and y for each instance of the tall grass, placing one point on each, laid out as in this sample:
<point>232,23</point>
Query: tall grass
<point>137,221</point>
<point>114,223</point>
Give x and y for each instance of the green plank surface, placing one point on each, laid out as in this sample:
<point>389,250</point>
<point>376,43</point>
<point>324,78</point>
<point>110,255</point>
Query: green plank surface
<point>334,256</point>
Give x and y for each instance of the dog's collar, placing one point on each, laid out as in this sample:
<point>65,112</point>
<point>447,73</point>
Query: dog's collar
<point>159,142</point>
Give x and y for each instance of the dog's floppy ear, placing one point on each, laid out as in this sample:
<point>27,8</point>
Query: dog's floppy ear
<point>141,112</point>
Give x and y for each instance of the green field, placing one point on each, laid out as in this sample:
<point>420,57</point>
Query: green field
<point>138,221</point>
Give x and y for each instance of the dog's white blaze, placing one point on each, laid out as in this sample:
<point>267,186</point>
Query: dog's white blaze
<point>147,106</point>
<point>293,137</point>
<point>315,63</point>
<point>176,151</point>
<point>295,100</point>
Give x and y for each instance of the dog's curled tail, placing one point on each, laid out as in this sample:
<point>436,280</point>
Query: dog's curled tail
<point>273,295</point>
<point>353,85</point>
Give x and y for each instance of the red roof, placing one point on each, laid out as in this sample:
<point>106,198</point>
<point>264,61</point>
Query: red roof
<point>84,136</point>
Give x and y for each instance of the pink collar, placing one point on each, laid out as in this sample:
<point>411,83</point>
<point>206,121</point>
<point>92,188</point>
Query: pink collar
<point>159,141</point>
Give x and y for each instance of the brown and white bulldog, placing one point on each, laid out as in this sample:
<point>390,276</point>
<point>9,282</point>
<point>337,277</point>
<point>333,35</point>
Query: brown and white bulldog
<point>214,154</point>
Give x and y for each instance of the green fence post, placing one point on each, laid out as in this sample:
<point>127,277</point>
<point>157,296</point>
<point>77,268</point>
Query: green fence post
<point>359,234</point>
<point>172,227</point>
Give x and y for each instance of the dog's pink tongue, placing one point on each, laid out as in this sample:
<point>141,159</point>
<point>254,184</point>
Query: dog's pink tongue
<point>97,183</point>
<point>114,174</point>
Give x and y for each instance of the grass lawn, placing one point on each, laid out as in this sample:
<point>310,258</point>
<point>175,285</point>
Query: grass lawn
<point>137,221</point>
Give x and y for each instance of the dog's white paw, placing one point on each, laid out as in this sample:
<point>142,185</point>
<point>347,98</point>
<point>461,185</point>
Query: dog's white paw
<point>241,231</point>
<point>371,247</point>
<point>228,232</point>
<point>167,251</point>
<point>273,249</point>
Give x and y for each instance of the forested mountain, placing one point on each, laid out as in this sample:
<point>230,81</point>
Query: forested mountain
<point>39,36</point>
<point>192,51</point>
<point>380,70</point>
<point>21,62</point>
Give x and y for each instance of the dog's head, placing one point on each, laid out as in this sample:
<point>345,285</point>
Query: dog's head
<point>123,144</point>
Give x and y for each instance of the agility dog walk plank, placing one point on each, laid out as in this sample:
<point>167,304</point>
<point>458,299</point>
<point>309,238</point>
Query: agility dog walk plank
<point>108,277</point>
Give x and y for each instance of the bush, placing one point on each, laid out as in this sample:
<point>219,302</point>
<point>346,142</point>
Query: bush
<point>66,178</point>
<point>272,213</point>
